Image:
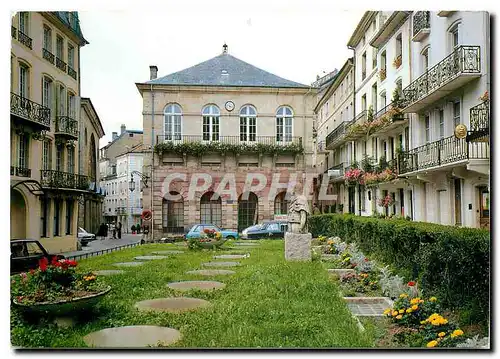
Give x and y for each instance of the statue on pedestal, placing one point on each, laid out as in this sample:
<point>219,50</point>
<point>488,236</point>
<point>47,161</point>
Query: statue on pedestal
<point>298,211</point>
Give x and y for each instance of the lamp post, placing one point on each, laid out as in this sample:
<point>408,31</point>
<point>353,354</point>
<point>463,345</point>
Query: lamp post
<point>144,178</point>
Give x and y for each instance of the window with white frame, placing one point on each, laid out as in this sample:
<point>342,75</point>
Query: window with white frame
<point>211,123</point>
<point>248,124</point>
<point>441,123</point>
<point>59,47</point>
<point>172,122</point>
<point>456,114</point>
<point>427,123</point>
<point>71,56</point>
<point>425,59</point>
<point>71,160</point>
<point>61,100</point>
<point>383,100</point>
<point>47,38</point>
<point>284,124</point>
<point>24,23</point>
<point>71,105</point>
<point>23,151</point>
<point>455,41</point>
<point>59,157</point>
<point>24,73</point>
<point>47,155</point>
<point>47,92</point>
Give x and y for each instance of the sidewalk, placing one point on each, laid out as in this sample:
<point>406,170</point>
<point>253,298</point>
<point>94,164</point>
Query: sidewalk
<point>99,245</point>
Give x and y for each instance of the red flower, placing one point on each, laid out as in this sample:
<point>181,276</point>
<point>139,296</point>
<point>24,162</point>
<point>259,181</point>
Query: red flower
<point>54,260</point>
<point>42,263</point>
<point>366,259</point>
<point>72,263</point>
<point>32,271</point>
<point>206,230</point>
<point>411,283</point>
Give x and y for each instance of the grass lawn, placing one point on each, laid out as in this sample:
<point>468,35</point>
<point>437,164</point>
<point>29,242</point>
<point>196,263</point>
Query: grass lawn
<point>268,303</point>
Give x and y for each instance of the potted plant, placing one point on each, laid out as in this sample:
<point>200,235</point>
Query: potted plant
<point>386,201</point>
<point>56,288</point>
<point>382,74</point>
<point>353,176</point>
<point>397,62</point>
<point>209,239</point>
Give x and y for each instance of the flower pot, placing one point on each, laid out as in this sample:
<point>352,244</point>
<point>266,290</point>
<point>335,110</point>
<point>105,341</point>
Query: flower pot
<point>208,245</point>
<point>62,307</point>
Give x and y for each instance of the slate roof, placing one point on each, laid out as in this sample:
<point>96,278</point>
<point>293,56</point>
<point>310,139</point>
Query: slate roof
<point>225,70</point>
<point>74,25</point>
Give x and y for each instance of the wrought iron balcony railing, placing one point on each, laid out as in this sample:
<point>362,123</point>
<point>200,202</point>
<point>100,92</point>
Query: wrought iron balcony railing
<point>480,117</point>
<point>29,110</point>
<point>463,60</point>
<point>234,140</point>
<point>58,179</point>
<point>13,32</point>
<point>71,72</point>
<point>66,126</point>
<point>438,153</point>
<point>49,56</point>
<point>24,39</point>
<point>337,134</point>
<point>20,171</point>
<point>340,167</point>
<point>60,64</point>
<point>421,20</point>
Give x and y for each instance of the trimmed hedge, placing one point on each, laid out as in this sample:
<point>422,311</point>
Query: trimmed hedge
<point>450,262</point>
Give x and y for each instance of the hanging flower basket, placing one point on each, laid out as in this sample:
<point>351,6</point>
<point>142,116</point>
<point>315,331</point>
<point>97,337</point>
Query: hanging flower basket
<point>354,176</point>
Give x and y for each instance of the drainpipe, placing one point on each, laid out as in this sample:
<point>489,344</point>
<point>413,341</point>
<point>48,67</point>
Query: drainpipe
<point>152,157</point>
<point>354,114</point>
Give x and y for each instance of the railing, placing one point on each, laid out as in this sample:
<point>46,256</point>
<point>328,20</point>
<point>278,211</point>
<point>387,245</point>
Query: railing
<point>49,56</point>
<point>464,59</point>
<point>30,110</point>
<point>13,32</point>
<point>341,167</point>
<point>360,118</point>
<point>66,125</point>
<point>421,21</point>
<point>20,171</point>
<point>337,134</point>
<point>233,140</point>
<point>102,251</point>
<point>24,39</point>
<point>58,179</point>
<point>480,117</point>
<point>60,64</point>
<point>442,152</point>
<point>71,72</point>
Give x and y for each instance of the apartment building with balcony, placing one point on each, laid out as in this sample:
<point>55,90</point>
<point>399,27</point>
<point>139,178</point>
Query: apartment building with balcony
<point>447,165</point>
<point>335,112</point>
<point>112,180</point>
<point>44,109</point>
<point>91,130</point>
<point>223,103</point>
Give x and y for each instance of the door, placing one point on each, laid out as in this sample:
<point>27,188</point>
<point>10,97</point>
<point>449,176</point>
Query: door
<point>458,202</point>
<point>351,193</point>
<point>484,208</point>
<point>402,201</point>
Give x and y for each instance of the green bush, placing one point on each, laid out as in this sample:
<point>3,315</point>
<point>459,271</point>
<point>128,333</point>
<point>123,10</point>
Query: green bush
<point>449,262</point>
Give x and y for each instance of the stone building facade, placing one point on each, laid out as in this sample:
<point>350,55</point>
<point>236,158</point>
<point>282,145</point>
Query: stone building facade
<point>227,104</point>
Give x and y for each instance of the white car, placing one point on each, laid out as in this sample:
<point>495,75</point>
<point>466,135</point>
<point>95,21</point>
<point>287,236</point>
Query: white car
<point>85,236</point>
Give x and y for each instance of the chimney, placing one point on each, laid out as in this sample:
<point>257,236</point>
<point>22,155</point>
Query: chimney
<point>122,129</point>
<point>114,136</point>
<point>153,72</point>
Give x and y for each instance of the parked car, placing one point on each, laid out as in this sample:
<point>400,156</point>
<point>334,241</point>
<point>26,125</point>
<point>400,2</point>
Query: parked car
<point>273,229</point>
<point>25,254</point>
<point>197,229</point>
<point>85,237</point>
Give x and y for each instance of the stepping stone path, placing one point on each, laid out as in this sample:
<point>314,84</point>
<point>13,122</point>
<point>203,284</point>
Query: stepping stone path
<point>169,252</point>
<point>128,264</point>
<point>149,258</point>
<point>368,306</point>
<point>172,305</point>
<point>134,336</point>
<point>196,284</point>
<point>221,264</point>
<point>211,272</point>
<point>109,272</point>
<point>180,244</point>
<point>232,256</point>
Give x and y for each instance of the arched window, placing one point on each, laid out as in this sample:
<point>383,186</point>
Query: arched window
<point>173,215</point>
<point>71,105</point>
<point>247,210</point>
<point>92,158</point>
<point>280,204</point>
<point>24,80</point>
<point>47,91</point>
<point>248,123</point>
<point>211,209</point>
<point>173,120</point>
<point>211,115</point>
<point>284,124</point>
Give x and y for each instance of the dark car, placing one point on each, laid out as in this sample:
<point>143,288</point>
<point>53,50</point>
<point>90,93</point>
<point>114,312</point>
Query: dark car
<point>273,229</point>
<point>25,254</point>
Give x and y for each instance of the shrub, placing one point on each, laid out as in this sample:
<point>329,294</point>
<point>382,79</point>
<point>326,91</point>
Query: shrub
<point>449,262</point>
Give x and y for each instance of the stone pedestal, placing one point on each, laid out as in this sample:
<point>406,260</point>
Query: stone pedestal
<point>298,246</point>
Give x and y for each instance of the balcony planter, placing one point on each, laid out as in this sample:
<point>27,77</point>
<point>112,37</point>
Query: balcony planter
<point>397,62</point>
<point>382,74</point>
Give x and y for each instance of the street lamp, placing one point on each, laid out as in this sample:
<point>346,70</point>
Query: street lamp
<point>144,178</point>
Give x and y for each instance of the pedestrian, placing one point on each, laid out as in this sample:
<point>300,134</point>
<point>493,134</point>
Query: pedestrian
<point>106,229</point>
<point>114,231</point>
<point>119,230</point>
<point>102,231</point>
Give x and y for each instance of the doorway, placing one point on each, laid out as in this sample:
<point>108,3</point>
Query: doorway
<point>17,215</point>
<point>458,202</point>
<point>352,194</point>
<point>484,207</point>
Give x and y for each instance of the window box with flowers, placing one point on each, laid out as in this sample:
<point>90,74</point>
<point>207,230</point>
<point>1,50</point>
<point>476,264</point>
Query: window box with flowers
<point>397,62</point>
<point>56,288</point>
<point>353,176</point>
<point>382,74</point>
<point>209,239</point>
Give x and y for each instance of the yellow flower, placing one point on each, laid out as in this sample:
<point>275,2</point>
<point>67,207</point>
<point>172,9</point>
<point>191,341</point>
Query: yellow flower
<point>423,321</point>
<point>409,310</point>
<point>444,321</point>
<point>399,316</point>
<point>404,295</point>
<point>442,334</point>
<point>387,311</point>
<point>414,307</point>
<point>414,301</point>
<point>401,311</point>
<point>394,313</point>
<point>432,299</point>
<point>458,332</point>
<point>432,344</point>
<point>434,322</point>
<point>330,242</point>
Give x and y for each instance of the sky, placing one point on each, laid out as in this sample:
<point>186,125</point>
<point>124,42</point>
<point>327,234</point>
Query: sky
<point>294,43</point>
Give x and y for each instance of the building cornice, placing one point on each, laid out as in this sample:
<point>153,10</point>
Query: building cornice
<point>348,65</point>
<point>393,23</point>
<point>92,114</point>
<point>360,30</point>
<point>56,21</point>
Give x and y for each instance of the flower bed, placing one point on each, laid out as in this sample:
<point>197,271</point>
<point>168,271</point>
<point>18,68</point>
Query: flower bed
<point>209,239</point>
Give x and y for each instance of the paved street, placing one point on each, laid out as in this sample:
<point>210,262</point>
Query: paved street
<point>99,245</point>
